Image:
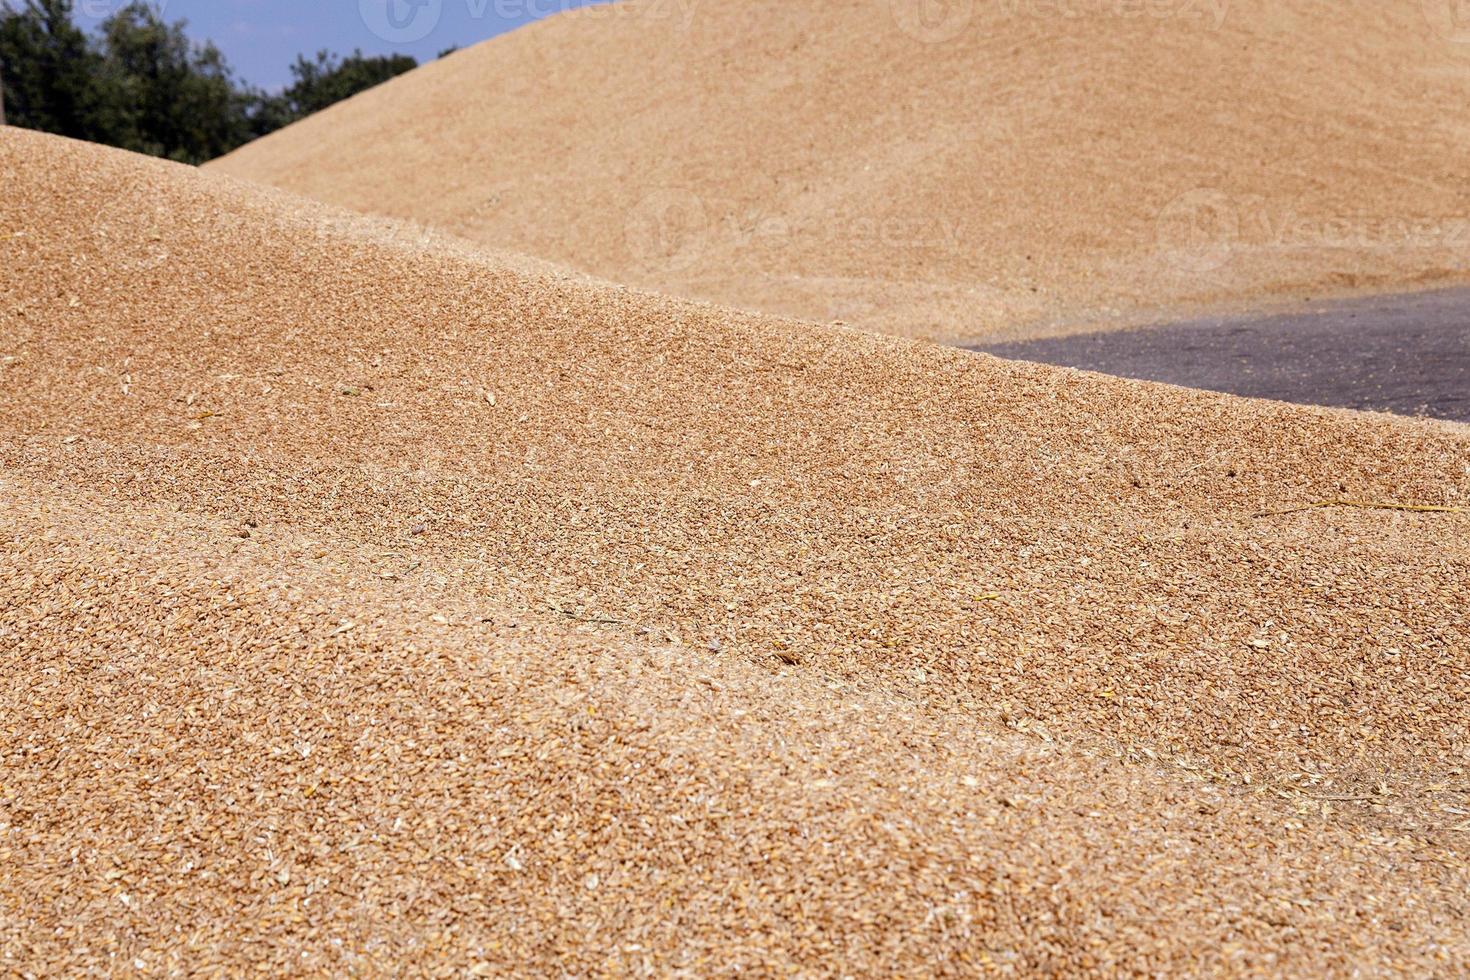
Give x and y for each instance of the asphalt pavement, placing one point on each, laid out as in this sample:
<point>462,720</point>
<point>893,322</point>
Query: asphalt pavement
<point>1408,354</point>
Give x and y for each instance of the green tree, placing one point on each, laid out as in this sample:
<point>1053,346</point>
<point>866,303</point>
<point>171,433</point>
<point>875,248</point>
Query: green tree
<point>168,96</point>
<point>49,70</point>
<point>326,80</point>
<point>141,84</point>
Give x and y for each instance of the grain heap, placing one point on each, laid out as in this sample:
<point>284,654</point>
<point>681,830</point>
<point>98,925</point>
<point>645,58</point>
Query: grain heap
<point>370,602</point>
<point>1002,168</point>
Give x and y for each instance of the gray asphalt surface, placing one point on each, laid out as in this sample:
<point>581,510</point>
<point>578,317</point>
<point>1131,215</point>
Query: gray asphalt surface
<point>1408,354</point>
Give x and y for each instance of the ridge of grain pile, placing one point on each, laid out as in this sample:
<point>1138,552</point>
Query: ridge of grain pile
<point>959,170</point>
<point>370,602</point>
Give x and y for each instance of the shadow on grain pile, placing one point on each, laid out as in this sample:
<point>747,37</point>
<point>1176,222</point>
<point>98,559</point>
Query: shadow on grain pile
<point>375,588</point>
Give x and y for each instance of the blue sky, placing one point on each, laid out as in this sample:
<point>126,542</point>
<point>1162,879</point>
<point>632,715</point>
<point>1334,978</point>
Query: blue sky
<point>261,38</point>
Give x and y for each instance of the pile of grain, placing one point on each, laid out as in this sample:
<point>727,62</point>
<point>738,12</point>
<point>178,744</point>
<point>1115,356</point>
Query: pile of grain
<point>951,170</point>
<point>374,602</point>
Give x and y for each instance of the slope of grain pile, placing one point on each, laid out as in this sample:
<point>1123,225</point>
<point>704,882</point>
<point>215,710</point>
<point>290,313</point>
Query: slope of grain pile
<point>374,602</point>
<point>947,170</point>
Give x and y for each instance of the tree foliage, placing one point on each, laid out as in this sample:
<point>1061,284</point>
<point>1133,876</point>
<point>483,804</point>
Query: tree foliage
<point>167,96</point>
<point>141,84</point>
<point>326,79</point>
<point>49,70</point>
